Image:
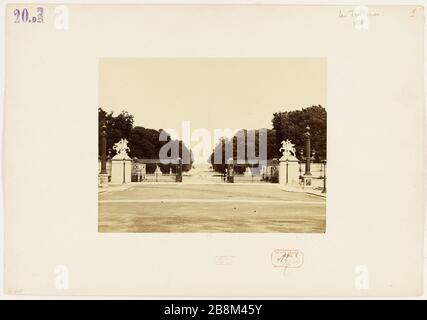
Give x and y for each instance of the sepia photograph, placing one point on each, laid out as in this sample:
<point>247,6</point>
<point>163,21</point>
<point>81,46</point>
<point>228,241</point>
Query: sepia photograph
<point>212,145</point>
<point>219,151</point>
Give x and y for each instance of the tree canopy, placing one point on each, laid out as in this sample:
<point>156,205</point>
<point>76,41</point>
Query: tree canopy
<point>144,143</point>
<point>292,125</point>
<point>286,125</point>
<point>240,142</point>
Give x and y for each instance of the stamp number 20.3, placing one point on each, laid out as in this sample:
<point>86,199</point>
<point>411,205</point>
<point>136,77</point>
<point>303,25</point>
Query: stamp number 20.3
<point>25,15</point>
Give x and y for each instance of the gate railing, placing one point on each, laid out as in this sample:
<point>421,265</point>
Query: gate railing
<point>153,170</point>
<point>318,171</point>
<point>236,171</point>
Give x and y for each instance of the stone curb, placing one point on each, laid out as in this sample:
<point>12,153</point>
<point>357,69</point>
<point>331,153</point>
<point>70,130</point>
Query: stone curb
<point>311,192</point>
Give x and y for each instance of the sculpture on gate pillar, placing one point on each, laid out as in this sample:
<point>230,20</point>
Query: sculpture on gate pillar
<point>288,170</point>
<point>288,150</point>
<point>121,171</point>
<point>121,149</point>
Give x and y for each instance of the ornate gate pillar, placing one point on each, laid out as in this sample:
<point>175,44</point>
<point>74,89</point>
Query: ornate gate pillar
<point>275,171</point>
<point>121,170</point>
<point>230,170</point>
<point>179,171</point>
<point>288,170</point>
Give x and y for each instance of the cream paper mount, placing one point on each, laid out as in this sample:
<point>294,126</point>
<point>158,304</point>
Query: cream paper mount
<point>216,66</point>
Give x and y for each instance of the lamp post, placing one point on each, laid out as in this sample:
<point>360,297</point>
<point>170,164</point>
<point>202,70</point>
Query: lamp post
<point>124,171</point>
<point>230,171</point>
<point>136,170</point>
<point>103,146</point>
<point>324,176</point>
<point>178,176</point>
<point>103,174</point>
<point>109,164</point>
<point>275,175</point>
<point>308,156</point>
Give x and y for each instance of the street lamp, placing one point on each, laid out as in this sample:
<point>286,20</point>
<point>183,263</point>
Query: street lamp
<point>103,175</point>
<point>230,171</point>
<point>124,170</point>
<point>324,176</point>
<point>308,155</point>
<point>103,146</point>
<point>178,176</point>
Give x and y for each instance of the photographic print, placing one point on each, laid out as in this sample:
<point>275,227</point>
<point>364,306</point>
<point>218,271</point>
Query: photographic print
<point>212,145</point>
<point>214,150</point>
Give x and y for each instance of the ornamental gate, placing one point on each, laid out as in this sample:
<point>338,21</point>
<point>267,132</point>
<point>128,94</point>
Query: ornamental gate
<point>153,170</point>
<point>237,172</point>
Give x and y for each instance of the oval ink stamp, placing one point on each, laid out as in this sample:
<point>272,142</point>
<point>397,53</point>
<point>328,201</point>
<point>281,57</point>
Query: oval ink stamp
<point>287,258</point>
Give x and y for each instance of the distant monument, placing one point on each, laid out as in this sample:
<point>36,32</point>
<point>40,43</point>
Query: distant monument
<point>289,164</point>
<point>158,171</point>
<point>143,171</point>
<point>121,170</point>
<point>263,172</point>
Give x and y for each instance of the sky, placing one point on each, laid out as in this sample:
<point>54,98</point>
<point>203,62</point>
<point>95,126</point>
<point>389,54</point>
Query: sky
<point>210,93</point>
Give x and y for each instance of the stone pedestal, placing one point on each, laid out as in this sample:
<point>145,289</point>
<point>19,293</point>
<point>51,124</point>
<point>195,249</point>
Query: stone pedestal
<point>117,168</point>
<point>289,172</point>
<point>103,180</point>
<point>307,181</point>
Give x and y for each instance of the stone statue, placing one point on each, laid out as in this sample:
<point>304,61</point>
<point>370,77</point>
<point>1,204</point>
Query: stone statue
<point>158,171</point>
<point>288,150</point>
<point>263,170</point>
<point>121,149</point>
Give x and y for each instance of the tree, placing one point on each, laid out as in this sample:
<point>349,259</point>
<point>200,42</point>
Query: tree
<point>286,125</point>
<point>292,125</point>
<point>240,142</point>
<point>118,127</point>
<point>144,143</point>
